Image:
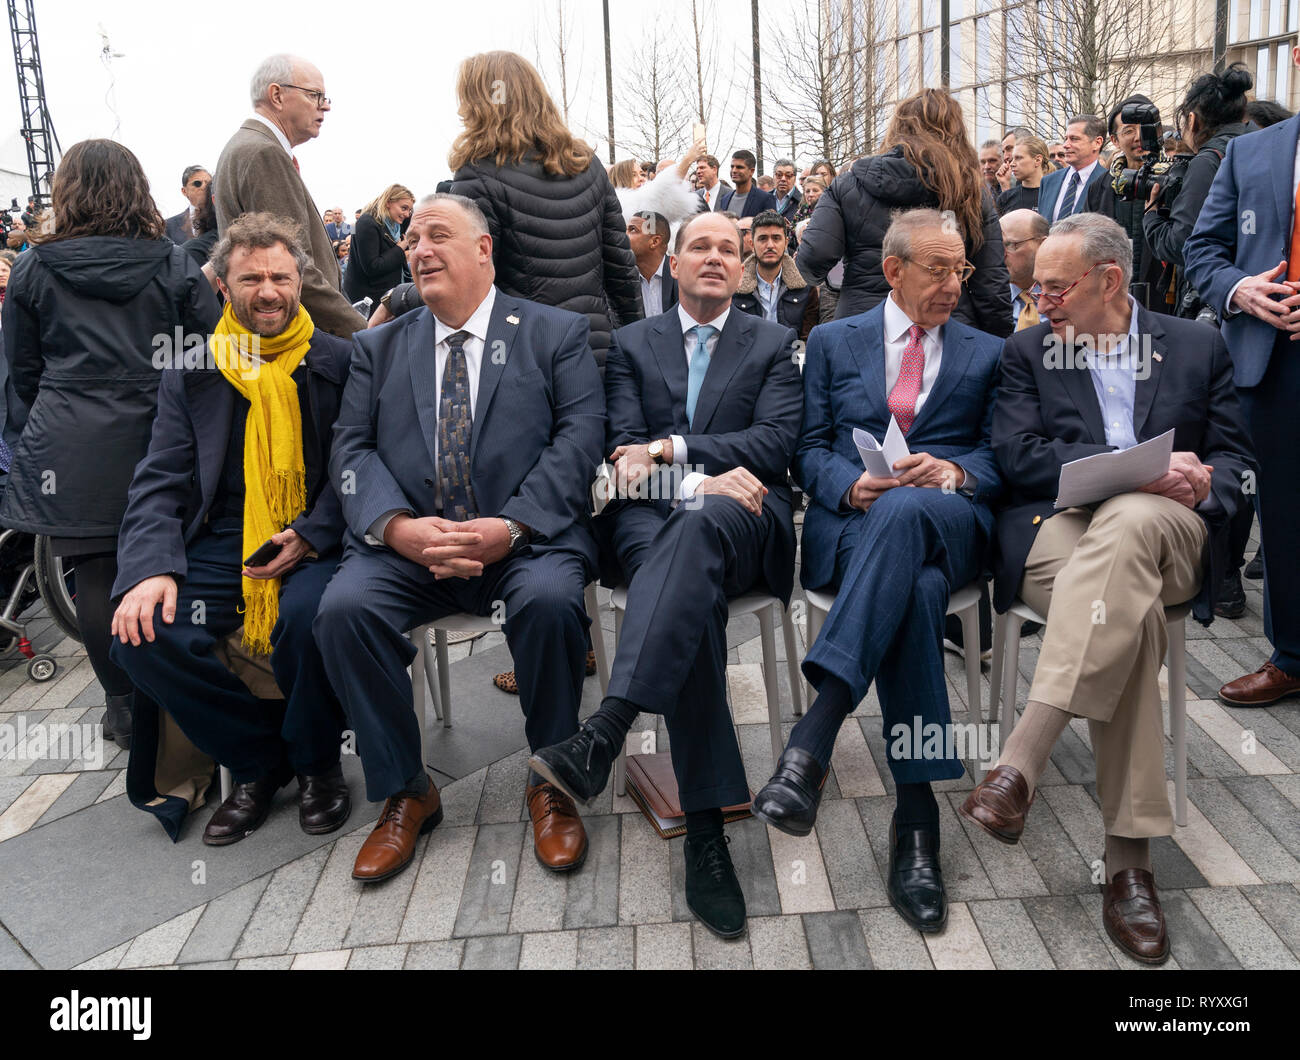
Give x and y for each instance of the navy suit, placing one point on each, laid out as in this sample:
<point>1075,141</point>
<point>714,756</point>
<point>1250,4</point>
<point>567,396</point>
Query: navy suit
<point>1087,200</point>
<point>682,563</point>
<point>1253,188</point>
<point>183,520</point>
<point>894,566</point>
<point>536,442</point>
<point>756,202</point>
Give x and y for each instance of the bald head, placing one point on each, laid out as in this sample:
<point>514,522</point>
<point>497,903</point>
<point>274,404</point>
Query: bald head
<point>1023,231</point>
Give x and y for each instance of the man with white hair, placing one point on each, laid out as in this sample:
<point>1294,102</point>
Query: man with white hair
<point>257,172</point>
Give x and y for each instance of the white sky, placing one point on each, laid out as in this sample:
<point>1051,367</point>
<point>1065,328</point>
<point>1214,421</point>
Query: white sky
<point>181,83</point>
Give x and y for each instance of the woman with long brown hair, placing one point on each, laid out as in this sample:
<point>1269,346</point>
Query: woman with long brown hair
<point>558,234</point>
<point>927,160</point>
<point>91,315</point>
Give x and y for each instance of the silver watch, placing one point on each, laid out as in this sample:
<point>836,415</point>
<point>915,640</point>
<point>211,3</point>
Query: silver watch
<point>518,537</point>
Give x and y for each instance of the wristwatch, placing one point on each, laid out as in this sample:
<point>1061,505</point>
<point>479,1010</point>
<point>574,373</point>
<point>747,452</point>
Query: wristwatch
<point>518,535</point>
<point>656,451</point>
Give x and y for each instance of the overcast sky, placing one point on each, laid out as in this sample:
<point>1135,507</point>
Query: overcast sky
<point>179,87</point>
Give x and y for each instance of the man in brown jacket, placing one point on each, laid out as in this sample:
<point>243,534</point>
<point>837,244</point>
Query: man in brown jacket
<point>258,172</point>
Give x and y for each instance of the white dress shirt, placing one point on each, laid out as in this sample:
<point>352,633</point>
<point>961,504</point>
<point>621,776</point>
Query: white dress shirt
<point>279,135</point>
<point>477,328</point>
<point>897,324</point>
<point>691,481</point>
<point>652,291</point>
<point>1084,174</point>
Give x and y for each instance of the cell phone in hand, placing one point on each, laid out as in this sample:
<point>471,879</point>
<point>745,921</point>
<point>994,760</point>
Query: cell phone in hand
<point>263,555</point>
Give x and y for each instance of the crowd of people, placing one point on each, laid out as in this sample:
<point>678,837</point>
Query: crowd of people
<point>392,419</point>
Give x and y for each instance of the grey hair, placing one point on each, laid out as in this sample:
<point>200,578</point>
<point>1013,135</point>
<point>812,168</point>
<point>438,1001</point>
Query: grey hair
<point>275,70</point>
<point>1102,240</point>
<point>190,171</point>
<point>783,162</point>
<point>906,223</point>
<point>477,218</point>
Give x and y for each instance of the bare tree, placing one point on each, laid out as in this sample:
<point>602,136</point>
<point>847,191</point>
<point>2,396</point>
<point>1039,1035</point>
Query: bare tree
<point>719,89</point>
<point>654,96</point>
<point>553,25</point>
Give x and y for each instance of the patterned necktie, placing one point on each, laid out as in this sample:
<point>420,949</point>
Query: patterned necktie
<point>902,399</point>
<point>699,366</point>
<point>1028,314</point>
<point>455,429</point>
<point>1067,200</point>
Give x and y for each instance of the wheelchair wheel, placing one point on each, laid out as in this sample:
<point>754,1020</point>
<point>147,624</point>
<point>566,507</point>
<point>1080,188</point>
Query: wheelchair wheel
<point>56,582</point>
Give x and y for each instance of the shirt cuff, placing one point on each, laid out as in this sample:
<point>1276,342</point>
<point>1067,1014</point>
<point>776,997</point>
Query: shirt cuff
<point>690,483</point>
<point>845,506</point>
<point>375,535</point>
<point>679,448</point>
<point>1228,310</point>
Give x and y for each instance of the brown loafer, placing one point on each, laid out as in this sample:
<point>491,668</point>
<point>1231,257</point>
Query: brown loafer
<point>999,804</point>
<point>1133,917</point>
<point>391,846</point>
<point>559,840</point>
<point>1266,685</point>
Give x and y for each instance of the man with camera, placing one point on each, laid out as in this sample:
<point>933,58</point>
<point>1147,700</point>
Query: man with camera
<point>1134,128</point>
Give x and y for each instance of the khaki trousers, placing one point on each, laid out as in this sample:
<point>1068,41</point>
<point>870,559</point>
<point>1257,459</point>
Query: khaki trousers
<point>1103,578</point>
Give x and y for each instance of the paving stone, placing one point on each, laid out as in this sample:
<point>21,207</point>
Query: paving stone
<point>1279,905</point>
<point>12,956</point>
<point>503,790</point>
<point>321,960</point>
<point>664,947</point>
<point>1054,856</point>
<point>492,953</point>
<point>1239,924</point>
<point>1171,867</point>
<point>747,693</point>
<point>1192,941</point>
<point>1256,845</point>
<point>115,788</point>
<point>325,921</point>
<point>460,800</point>
<point>265,964</point>
<point>540,895</point>
<point>644,879</point>
<point>435,955</point>
<point>1080,816</point>
<point>209,966</point>
<point>713,954</point>
<point>1066,929</point>
<point>1010,935</point>
<point>439,882</point>
<point>224,918</point>
<point>490,881</point>
<point>11,788</point>
<point>378,958</point>
<point>855,770</point>
<point>855,881</point>
<point>778,942</point>
<point>892,942</point>
<point>1260,795</point>
<point>835,940</point>
<point>606,948</point>
<point>1228,731</point>
<point>28,808</point>
<point>959,945</point>
<point>106,960</point>
<point>549,951</point>
<point>84,790</point>
<point>1009,868</point>
<point>800,873</point>
<point>377,917</point>
<point>592,899</point>
<point>1209,851</point>
<point>281,907</point>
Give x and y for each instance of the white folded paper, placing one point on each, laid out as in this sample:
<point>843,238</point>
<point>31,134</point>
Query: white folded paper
<point>878,459</point>
<point>1096,478</point>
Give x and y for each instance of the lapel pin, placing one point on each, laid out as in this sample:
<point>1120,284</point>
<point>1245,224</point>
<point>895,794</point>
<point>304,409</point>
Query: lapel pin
<point>512,320</point>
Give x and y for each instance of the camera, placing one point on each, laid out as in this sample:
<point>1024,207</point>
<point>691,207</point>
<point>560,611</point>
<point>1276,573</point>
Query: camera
<point>1156,171</point>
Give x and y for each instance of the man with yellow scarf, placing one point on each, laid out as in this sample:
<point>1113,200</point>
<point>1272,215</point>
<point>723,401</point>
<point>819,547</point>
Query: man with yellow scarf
<point>239,460</point>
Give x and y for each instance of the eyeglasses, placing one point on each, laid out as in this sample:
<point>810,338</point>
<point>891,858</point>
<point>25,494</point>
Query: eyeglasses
<point>1013,244</point>
<point>319,98</point>
<point>939,273</point>
<point>1036,292</point>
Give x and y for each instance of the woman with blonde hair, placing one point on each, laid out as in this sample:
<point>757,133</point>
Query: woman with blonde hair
<point>926,160</point>
<point>558,234</point>
<point>377,261</point>
<point>1031,161</point>
<point>627,174</point>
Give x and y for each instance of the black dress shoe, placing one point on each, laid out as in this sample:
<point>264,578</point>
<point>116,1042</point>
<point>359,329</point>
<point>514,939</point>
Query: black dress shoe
<point>1254,570</point>
<point>712,891</point>
<point>117,720</point>
<point>578,766</point>
<point>915,880</point>
<point>243,813</point>
<point>1230,600</point>
<point>789,800</point>
<point>324,802</point>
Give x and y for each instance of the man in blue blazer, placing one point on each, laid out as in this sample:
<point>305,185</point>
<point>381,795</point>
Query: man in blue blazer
<point>712,394</point>
<point>1077,186</point>
<point>1242,258</point>
<point>891,553</point>
<point>470,433</point>
<point>181,553</point>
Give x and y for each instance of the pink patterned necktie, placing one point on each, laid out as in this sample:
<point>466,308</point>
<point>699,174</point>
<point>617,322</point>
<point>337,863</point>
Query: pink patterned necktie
<point>902,399</point>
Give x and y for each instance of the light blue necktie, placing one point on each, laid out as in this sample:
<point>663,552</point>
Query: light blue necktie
<point>699,366</point>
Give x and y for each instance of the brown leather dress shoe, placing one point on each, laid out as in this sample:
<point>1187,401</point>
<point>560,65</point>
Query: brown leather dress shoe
<point>242,814</point>
<point>1133,917</point>
<point>1266,685</point>
<point>391,846</point>
<point>324,802</point>
<point>559,840</point>
<point>999,804</point>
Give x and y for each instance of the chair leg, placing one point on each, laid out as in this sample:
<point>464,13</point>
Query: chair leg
<point>227,784</point>
<point>620,763</point>
<point>792,662</point>
<point>970,628</point>
<point>995,678</point>
<point>814,618</point>
<point>1010,672</point>
<point>767,633</point>
<point>597,637</point>
<point>1177,667</point>
<point>444,675</point>
<point>430,666</point>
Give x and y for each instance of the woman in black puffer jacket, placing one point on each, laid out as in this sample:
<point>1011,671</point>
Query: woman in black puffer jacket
<point>90,320</point>
<point>558,233</point>
<point>377,259</point>
<point>928,161</point>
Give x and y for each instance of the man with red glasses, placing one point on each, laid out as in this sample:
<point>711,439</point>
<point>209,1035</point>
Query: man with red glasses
<point>1100,374</point>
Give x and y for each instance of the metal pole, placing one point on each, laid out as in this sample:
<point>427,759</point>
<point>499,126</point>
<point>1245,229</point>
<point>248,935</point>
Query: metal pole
<point>609,82</point>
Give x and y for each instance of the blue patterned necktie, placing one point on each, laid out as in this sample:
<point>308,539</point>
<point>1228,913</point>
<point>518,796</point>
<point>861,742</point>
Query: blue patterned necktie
<point>1071,190</point>
<point>699,366</point>
<point>455,430</point>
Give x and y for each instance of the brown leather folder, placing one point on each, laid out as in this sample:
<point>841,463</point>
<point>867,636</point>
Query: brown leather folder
<point>652,785</point>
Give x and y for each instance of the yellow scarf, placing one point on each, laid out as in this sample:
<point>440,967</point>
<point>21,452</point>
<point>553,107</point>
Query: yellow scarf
<point>275,478</point>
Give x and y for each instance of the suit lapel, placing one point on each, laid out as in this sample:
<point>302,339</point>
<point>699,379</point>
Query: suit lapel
<point>1144,395</point>
<point>501,336</point>
<point>1050,188</point>
<point>1078,384</point>
<point>953,360</point>
<point>727,356</point>
<point>422,343</point>
<point>212,405</point>
<point>866,341</point>
<point>669,346</point>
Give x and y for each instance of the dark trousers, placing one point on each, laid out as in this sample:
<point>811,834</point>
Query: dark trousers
<point>895,566</point>
<point>251,737</point>
<point>680,569</point>
<point>95,576</point>
<point>377,596</point>
<point>1275,433</point>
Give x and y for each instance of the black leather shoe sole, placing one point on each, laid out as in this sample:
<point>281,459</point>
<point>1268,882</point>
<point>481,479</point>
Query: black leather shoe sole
<point>794,828</point>
<point>329,826</point>
<point>543,770</point>
<point>713,928</point>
